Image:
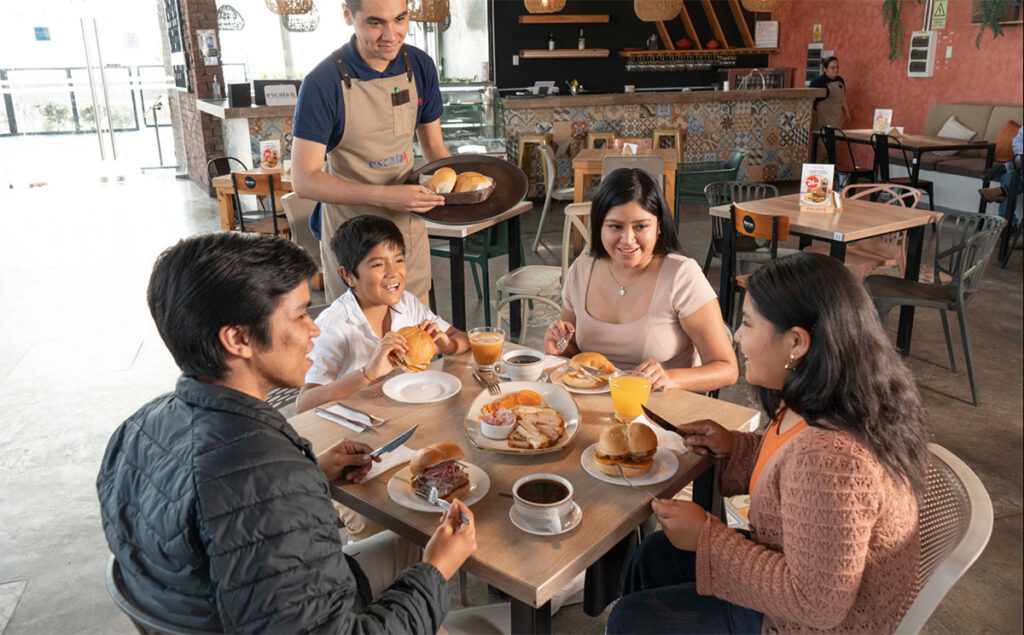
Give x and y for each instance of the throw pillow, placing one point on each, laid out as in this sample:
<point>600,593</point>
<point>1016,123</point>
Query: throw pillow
<point>1004,141</point>
<point>954,130</point>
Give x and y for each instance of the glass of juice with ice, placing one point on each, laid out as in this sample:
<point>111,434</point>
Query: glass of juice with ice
<point>487,343</point>
<point>630,390</point>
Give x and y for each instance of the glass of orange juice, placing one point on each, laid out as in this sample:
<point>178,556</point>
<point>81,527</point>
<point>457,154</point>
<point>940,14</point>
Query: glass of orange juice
<point>630,390</point>
<point>487,343</point>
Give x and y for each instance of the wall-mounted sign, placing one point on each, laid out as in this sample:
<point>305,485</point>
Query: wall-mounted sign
<point>766,34</point>
<point>939,13</point>
<point>817,33</point>
<point>42,34</point>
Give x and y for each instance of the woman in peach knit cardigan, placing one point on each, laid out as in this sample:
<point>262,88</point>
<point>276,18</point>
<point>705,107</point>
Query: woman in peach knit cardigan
<point>833,543</point>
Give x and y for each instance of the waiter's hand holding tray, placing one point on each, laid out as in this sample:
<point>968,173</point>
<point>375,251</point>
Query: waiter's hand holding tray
<point>507,187</point>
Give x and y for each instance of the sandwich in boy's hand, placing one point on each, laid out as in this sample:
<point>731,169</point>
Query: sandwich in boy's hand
<point>576,377</point>
<point>421,349</point>
<point>631,445</point>
<point>437,465</point>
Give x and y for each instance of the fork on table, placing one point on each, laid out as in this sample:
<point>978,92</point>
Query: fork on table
<point>492,387</point>
<point>631,484</point>
<point>430,494</point>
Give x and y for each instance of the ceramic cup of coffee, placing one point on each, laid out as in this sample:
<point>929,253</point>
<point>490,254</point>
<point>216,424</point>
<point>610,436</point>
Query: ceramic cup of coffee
<point>523,364</point>
<point>543,501</point>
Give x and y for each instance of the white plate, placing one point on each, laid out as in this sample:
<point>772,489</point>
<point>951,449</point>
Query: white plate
<point>554,396</point>
<point>569,525</point>
<point>400,489</point>
<point>424,387</point>
<point>556,378</point>
<point>664,468</point>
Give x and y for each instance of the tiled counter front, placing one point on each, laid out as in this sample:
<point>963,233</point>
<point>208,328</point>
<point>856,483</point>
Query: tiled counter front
<point>773,125</point>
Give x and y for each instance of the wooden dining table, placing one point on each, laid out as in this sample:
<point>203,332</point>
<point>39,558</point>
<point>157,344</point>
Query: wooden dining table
<point>529,568</point>
<point>455,234</point>
<point>856,220</point>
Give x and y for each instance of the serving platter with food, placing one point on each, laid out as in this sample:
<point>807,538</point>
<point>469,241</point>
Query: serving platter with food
<point>439,465</point>
<point>505,186</point>
<point>538,417</point>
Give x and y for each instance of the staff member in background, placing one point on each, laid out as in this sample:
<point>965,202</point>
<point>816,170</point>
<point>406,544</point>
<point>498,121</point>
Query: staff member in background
<point>359,108</point>
<point>829,110</point>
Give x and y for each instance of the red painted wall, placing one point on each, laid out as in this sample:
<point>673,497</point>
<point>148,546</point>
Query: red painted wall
<point>854,30</point>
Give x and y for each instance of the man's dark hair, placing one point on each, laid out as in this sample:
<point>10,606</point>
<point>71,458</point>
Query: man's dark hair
<point>828,60</point>
<point>209,281</point>
<point>357,236</point>
<point>626,185</point>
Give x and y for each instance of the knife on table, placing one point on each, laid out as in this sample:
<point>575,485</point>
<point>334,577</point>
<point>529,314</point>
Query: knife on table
<point>345,421</point>
<point>661,421</point>
<point>393,444</point>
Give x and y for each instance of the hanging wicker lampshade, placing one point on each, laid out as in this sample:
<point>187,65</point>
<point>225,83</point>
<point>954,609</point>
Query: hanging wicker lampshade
<point>289,7</point>
<point>229,19</point>
<point>761,6</point>
<point>304,23</point>
<point>657,10</point>
<point>544,6</point>
<point>428,10</point>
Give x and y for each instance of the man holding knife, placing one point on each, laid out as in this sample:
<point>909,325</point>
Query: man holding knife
<point>359,109</point>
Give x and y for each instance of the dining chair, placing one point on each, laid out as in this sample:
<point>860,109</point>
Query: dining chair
<point>963,244</point>
<point>260,184</point>
<point>298,210</point>
<point>724,193</point>
<point>693,177</point>
<point>955,519</point>
<point>769,227</point>
<point>541,283</point>
<point>594,137</point>
<point>882,143</point>
<point>675,134</point>
<point>865,256</point>
<point>478,249</point>
<point>551,189</point>
<point>144,621</point>
<point>619,143</point>
<point>845,162</point>
<point>220,166</point>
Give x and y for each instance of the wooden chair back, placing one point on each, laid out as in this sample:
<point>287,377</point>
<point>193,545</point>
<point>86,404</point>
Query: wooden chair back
<point>577,217</point>
<point>257,183</point>
<point>761,226</point>
<point>267,184</point>
<point>642,143</point>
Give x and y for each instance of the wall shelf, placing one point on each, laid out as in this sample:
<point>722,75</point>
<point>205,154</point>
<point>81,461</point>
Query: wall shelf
<point>702,52</point>
<point>590,18</point>
<point>561,53</point>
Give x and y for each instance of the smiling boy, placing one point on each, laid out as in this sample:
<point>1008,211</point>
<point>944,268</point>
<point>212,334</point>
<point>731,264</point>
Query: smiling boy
<point>358,330</point>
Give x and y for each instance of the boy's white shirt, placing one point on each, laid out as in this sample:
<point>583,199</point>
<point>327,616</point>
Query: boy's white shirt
<point>347,342</point>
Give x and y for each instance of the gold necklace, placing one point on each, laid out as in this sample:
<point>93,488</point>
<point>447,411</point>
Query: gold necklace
<point>622,287</point>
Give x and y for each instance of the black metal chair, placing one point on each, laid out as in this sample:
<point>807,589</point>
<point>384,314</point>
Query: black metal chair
<point>723,193</point>
<point>266,184</point>
<point>882,143</point>
<point>224,165</point>
<point>773,228</point>
<point>144,622</point>
<point>853,172</point>
<point>962,248</point>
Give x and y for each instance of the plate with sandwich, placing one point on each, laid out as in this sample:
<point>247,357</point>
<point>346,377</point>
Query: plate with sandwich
<point>540,418</point>
<point>575,378</point>
<point>634,446</point>
<point>439,465</point>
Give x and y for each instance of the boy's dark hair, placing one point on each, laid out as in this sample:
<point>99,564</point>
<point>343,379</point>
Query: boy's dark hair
<point>626,185</point>
<point>357,236</point>
<point>209,281</point>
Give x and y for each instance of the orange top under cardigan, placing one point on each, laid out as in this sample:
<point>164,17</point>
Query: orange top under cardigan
<point>771,443</point>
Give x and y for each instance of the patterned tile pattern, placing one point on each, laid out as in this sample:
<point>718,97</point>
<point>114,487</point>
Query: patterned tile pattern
<point>775,132</point>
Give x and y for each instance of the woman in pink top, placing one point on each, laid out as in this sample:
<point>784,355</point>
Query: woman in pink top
<point>833,542</point>
<point>637,300</point>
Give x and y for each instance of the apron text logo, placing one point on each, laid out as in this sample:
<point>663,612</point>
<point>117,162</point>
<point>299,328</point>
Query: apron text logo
<point>390,162</point>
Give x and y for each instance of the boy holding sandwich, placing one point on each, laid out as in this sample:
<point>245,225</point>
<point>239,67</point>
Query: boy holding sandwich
<point>376,325</point>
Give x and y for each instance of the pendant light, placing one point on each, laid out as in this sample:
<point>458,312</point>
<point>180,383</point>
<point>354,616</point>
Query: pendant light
<point>657,10</point>
<point>428,10</point>
<point>289,7</point>
<point>544,6</point>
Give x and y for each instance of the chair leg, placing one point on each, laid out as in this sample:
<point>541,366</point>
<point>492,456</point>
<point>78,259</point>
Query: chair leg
<point>961,313</point>
<point>707,260</point>
<point>476,280</point>
<point>486,279</point>
<point>463,587</point>
<point>949,341</point>
<point>540,224</point>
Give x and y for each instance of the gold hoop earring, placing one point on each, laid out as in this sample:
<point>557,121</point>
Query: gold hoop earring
<point>791,364</point>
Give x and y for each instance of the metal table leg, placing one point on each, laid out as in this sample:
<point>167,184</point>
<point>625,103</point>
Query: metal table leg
<point>915,244</point>
<point>838,251</point>
<point>514,262</point>
<point>457,263</point>
<point>528,620</point>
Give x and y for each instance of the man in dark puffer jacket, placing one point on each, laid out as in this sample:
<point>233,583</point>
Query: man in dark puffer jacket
<point>215,508</point>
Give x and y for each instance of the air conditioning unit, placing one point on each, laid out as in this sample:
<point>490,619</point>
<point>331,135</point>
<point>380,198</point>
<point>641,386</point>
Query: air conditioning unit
<point>921,61</point>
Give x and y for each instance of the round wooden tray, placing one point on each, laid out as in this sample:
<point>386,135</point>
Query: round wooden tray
<point>509,188</point>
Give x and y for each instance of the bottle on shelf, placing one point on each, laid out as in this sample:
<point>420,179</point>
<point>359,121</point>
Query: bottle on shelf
<point>215,88</point>
<point>582,42</point>
<point>551,41</point>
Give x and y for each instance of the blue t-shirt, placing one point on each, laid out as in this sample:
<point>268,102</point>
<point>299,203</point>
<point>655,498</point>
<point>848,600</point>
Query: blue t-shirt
<point>320,110</point>
<point>821,81</point>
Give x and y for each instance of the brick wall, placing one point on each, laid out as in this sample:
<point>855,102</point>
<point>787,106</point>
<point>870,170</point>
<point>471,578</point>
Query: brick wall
<point>198,137</point>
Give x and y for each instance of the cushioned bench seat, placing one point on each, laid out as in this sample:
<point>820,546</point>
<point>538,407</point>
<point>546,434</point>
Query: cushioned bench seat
<point>964,166</point>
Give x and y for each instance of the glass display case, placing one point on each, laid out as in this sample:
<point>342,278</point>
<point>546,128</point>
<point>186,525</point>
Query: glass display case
<point>472,120</point>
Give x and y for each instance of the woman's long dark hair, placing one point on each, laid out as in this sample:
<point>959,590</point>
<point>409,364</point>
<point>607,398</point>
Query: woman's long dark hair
<point>852,377</point>
<point>626,185</point>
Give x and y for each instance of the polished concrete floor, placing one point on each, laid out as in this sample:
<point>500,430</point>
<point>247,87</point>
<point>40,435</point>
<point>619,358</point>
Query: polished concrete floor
<point>79,353</point>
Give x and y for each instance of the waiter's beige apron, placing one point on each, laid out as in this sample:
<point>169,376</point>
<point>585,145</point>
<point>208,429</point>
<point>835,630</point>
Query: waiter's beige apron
<point>376,148</point>
<point>829,112</point>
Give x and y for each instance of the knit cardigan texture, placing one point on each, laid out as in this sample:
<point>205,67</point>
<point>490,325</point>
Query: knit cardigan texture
<point>834,538</point>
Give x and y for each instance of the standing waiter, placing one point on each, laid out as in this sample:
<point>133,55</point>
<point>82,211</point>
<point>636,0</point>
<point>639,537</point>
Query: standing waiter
<point>359,108</point>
